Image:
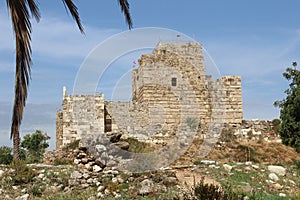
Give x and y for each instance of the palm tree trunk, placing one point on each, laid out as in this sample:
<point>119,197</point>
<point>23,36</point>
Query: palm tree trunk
<point>16,143</point>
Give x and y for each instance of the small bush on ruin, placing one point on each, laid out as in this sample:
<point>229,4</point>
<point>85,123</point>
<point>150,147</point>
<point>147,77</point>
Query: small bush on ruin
<point>23,173</point>
<point>62,161</point>
<point>73,145</point>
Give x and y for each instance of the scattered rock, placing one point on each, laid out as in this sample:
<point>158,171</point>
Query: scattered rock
<point>99,163</point>
<point>84,160</point>
<point>101,188</point>
<point>96,168</point>
<point>147,186</point>
<point>273,177</point>
<point>227,167</point>
<point>41,176</point>
<point>282,195</point>
<point>76,175</point>
<point>255,166</point>
<point>292,182</point>
<point>170,181</point>
<point>100,195</point>
<point>277,186</point>
<point>208,162</point>
<point>100,147</point>
<point>23,197</point>
<point>1,173</point>
<point>77,161</point>
<point>279,170</point>
<point>247,168</point>
<point>248,163</point>
<point>123,145</point>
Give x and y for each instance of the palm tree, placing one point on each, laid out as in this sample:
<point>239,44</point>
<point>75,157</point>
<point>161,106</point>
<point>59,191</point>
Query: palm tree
<point>21,12</point>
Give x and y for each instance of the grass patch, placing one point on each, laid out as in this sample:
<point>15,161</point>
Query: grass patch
<point>62,161</point>
<point>22,173</point>
<point>136,146</point>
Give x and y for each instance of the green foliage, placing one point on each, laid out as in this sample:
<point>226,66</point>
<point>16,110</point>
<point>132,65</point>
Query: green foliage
<point>136,146</point>
<point>227,135</point>
<point>192,123</point>
<point>6,156</point>
<point>23,173</point>
<point>276,125</point>
<point>73,145</point>
<point>290,110</point>
<point>36,190</point>
<point>203,191</point>
<point>62,161</point>
<point>35,145</point>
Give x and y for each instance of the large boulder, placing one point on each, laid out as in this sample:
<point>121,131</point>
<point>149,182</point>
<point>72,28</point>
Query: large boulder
<point>279,170</point>
<point>123,145</point>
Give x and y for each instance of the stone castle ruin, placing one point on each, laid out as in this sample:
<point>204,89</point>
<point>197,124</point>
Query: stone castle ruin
<point>170,89</point>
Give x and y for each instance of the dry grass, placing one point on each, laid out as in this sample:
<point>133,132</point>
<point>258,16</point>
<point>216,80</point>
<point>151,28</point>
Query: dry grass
<point>255,151</point>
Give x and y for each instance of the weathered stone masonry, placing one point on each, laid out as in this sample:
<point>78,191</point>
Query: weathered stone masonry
<point>167,84</point>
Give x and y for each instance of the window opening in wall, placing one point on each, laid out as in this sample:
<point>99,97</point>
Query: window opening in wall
<point>174,81</point>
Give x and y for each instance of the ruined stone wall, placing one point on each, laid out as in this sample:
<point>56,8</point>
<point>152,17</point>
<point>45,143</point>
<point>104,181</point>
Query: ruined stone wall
<point>234,109</point>
<point>120,114</point>
<point>82,115</point>
<point>190,52</point>
<point>256,130</point>
<point>169,87</point>
<point>172,82</point>
<point>226,99</point>
<point>59,128</point>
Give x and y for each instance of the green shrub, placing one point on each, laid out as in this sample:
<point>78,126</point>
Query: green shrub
<point>6,156</point>
<point>203,191</point>
<point>136,146</point>
<point>192,123</point>
<point>36,191</point>
<point>23,173</point>
<point>276,125</point>
<point>73,145</point>
<point>62,161</point>
<point>227,135</point>
<point>35,146</point>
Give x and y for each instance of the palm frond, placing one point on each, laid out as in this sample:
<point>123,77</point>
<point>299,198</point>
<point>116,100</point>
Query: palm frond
<point>34,9</point>
<point>69,5</point>
<point>125,9</point>
<point>20,17</point>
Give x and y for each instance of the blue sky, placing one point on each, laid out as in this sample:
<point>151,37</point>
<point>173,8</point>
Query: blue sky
<point>254,39</point>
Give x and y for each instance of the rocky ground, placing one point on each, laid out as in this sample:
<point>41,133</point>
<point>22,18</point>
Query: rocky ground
<point>72,173</point>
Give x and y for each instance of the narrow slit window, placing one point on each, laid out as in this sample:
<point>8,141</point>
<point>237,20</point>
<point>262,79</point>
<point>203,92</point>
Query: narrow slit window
<point>174,81</point>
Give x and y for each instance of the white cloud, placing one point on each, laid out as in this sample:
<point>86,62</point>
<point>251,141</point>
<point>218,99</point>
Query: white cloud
<point>36,117</point>
<point>53,38</point>
<point>58,39</point>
